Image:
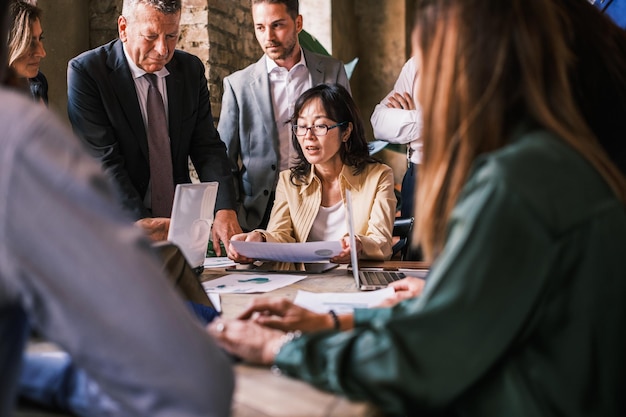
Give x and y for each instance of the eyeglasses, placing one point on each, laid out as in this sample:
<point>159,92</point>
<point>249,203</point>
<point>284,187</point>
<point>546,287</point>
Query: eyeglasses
<point>318,130</point>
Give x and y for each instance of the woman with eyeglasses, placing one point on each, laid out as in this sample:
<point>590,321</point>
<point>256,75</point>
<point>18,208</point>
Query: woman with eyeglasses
<point>331,156</point>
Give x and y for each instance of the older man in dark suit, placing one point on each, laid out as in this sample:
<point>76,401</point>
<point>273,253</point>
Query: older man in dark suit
<point>143,109</point>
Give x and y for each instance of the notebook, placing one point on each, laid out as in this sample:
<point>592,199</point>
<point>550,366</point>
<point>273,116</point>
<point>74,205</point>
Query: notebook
<point>191,221</point>
<point>366,280</point>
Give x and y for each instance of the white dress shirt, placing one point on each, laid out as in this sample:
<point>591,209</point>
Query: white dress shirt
<point>399,125</point>
<point>286,87</point>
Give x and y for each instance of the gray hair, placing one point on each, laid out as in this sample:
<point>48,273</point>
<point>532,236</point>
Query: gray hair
<point>163,6</point>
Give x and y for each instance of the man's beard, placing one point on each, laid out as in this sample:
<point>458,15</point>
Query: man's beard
<point>287,52</point>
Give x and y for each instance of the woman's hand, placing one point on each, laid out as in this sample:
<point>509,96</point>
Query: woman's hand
<point>247,237</point>
<point>405,288</point>
<point>247,340</point>
<point>344,255</point>
<point>282,314</point>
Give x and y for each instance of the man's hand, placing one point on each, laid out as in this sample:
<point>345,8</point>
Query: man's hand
<point>225,226</point>
<point>245,237</point>
<point>155,227</point>
<point>401,101</point>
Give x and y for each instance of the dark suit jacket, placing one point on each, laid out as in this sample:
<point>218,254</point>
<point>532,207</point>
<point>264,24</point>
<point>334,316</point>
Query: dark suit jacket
<point>104,111</point>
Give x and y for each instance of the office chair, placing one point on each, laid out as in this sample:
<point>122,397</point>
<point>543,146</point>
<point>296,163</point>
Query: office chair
<point>401,229</point>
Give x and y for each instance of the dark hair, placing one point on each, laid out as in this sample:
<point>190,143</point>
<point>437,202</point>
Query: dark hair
<point>4,29</point>
<point>293,7</point>
<point>598,76</point>
<point>340,107</point>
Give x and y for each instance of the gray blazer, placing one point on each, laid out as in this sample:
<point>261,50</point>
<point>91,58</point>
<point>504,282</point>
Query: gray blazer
<point>248,129</point>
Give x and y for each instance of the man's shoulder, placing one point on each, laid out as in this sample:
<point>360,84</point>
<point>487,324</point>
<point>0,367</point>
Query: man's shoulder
<point>244,73</point>
<point>186,62</point>
<point>99,54</point>
<point>185,57</point>
<point>315,58</point>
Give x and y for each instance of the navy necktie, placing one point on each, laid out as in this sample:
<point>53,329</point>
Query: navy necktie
<point>159,152</point>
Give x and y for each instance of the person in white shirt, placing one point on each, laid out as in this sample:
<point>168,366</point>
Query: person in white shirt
<point>398,119</point>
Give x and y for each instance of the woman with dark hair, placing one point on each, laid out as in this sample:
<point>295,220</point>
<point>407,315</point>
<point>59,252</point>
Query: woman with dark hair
<point>332,156</point>
<point>26,47</point>
<point>523,216</point>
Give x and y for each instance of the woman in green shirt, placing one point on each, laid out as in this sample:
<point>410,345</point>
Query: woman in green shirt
<point>523,217</point>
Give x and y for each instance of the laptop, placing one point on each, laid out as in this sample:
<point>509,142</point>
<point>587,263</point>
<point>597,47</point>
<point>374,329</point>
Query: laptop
<point>191,220</point>
<point>366,280</point>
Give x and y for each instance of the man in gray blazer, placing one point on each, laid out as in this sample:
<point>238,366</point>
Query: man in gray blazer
<point>258,101</point>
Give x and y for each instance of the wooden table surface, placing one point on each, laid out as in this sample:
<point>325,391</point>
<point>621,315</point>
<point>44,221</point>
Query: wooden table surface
<point>260,392</point>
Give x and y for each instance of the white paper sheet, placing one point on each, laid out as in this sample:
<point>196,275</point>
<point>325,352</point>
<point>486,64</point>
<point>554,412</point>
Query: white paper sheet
<point>250,283</point>
<point>216,300</point>
<point>288,252</point>
<point>341,302</point>
<point>218,262</point>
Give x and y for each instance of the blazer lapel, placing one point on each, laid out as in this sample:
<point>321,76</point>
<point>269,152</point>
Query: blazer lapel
<point>175,85</point>
<point>315,66</point>
<point>124,87</point>
<point>260,91</point>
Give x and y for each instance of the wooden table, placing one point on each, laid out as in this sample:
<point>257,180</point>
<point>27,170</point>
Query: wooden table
<point>259,392</point>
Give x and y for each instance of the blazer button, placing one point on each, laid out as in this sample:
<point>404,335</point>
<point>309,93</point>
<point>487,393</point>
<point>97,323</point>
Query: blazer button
<point>273,167</point>
<point>265,192</point>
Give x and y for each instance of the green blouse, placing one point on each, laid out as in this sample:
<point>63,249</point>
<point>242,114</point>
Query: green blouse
<point>523,314</point>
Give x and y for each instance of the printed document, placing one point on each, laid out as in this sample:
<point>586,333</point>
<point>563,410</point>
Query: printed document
<point>288,252</point>
<point>250,283</point>
<point>341,302</point>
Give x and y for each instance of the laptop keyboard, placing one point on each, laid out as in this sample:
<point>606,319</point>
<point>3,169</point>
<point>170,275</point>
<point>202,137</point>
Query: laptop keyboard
<point>380,277</point>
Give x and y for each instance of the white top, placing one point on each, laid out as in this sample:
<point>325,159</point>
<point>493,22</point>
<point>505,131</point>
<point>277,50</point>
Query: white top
<point>399,125</point>
<point>329,224</point>
<point>286,87</point>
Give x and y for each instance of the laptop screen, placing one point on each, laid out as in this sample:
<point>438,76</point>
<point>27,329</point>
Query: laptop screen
<point>192,218</point>
<point>353,254</point>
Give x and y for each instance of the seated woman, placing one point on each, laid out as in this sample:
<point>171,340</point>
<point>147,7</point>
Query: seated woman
<point>523,216</point>
<point>332,156</point>
<point>26,47</point>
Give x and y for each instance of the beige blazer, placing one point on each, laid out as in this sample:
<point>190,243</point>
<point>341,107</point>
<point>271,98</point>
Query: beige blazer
<point>373,198</point>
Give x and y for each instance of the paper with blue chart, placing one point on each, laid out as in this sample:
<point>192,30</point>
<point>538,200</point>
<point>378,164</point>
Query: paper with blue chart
<point>288,252</point>
<point>250,283</point>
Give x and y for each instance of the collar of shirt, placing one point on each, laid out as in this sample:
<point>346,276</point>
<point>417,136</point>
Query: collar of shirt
<point>138,72</point>
<point>272,66</point>
<point>347,178</point>
<point>141,86</point>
